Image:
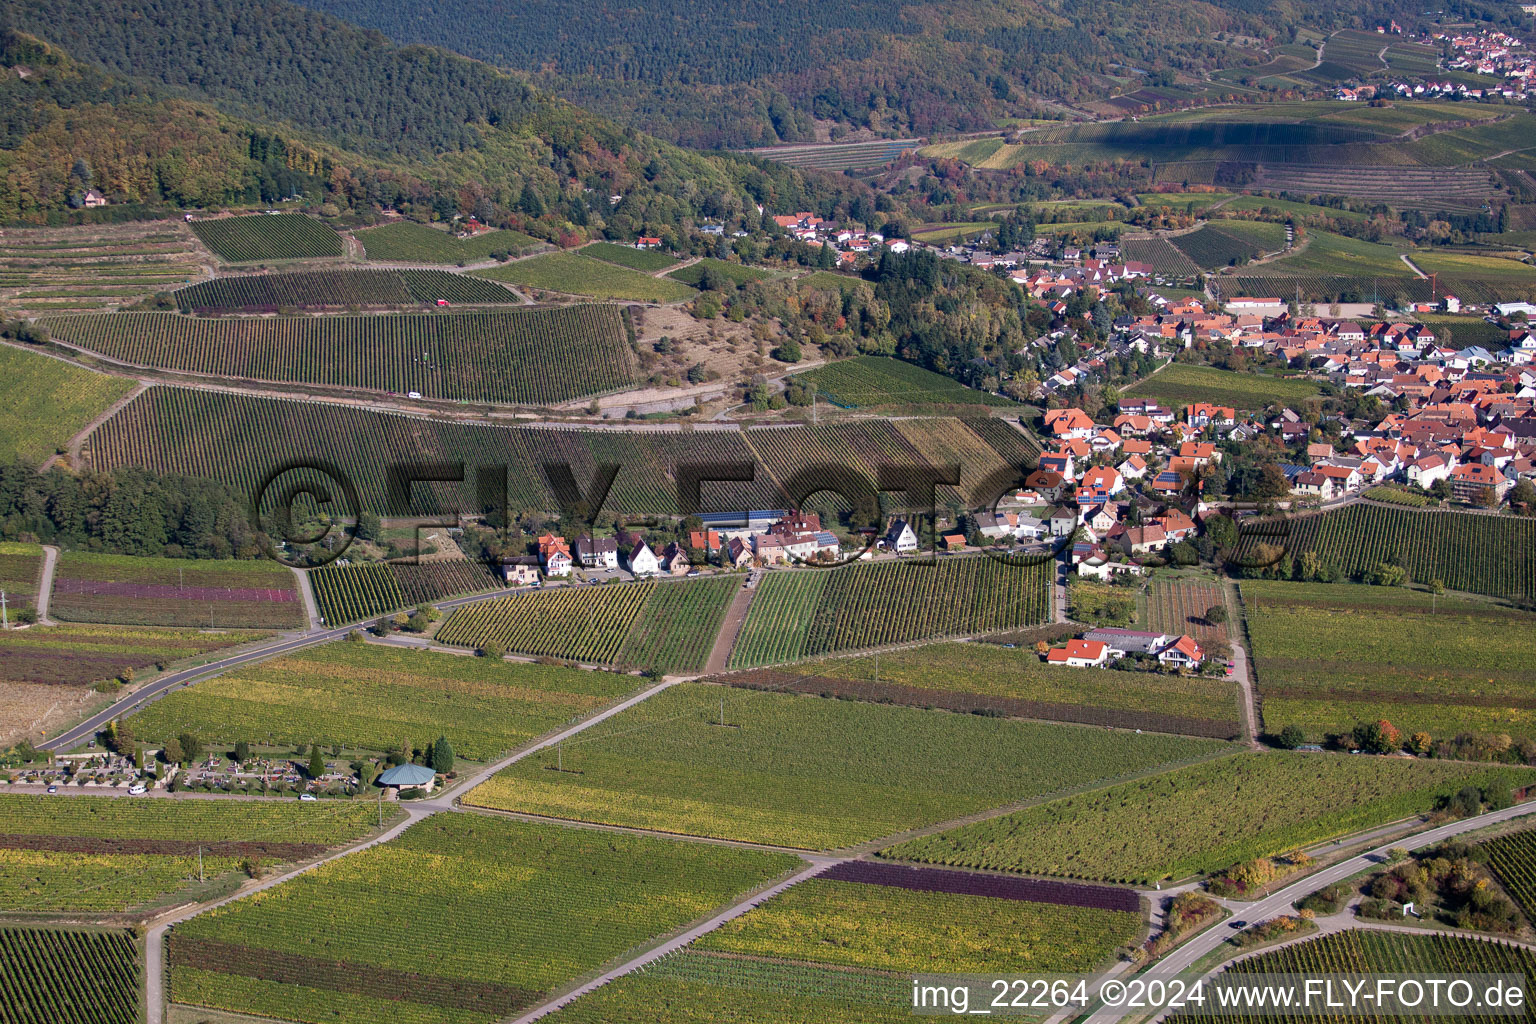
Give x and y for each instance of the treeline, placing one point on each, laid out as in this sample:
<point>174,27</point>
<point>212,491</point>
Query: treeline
<point>759,72</point>
<point>127,512</point>
<point>174,103</point>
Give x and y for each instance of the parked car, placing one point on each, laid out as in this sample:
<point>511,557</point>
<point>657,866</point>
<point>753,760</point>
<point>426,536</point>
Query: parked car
<point>308,796</point>
<point>53,789</point>
<point>137,788</point>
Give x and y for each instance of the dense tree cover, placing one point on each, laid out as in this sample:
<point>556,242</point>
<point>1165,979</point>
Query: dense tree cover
<point>761,71</point>
<point>129,512</point>
<point>205,104</point>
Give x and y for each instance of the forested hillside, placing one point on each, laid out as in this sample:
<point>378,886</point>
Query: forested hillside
<point>204,103</point>
<point>760,71</point>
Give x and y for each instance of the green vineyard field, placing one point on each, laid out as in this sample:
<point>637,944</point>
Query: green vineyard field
<point>47,401</point>
<point>286,236</point>
<point>338,289</point>
<point>408,242</point>
<point>535,356</point>
<point>1476,553</point>
<point>69,976</point>
<point>881,603</point>
<point>1513,858</point>
<point>352,593</point>
<point>879,381</point>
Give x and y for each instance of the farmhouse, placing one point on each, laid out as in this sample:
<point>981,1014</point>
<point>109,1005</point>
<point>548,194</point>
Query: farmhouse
<point>522,571</point>
<point>1079,654</point>
<point>900,538</point>
<point>642,560</point>
<point>554,555</point>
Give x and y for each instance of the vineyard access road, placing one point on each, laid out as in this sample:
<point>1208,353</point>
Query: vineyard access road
<point>45,584</point>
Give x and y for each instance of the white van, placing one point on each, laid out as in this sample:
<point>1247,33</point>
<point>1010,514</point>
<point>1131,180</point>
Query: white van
<point>137,788</point>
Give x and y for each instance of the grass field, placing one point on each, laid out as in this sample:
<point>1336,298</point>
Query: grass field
<point>408,242</point>
<point>47,402</point>
<point>286,236</point>
<point>980,677</point>
<point>574,274</point>
<point>805,772</point>
<point>531,356</point>
<point>1475,278</point>
<point>1327,253</point>
<point>1179,384</point>
<point>662,626</point>
<point>518,910</point>
<point>175,592</point>
<point>876,604</point>
<point>1202,818</point>
<point>107,854</point>
<point>1331,655</point>
<point>875,381</point>
<point>69,976</point>
<point>1475,553</point>
<point>371,697</point>
<point>827,280</point>
<point>74,655</point>
<point>646,261</point>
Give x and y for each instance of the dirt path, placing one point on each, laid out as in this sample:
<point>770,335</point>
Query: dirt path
<point>307,594</point>
<point>1409,264</point>
<point>816,866</point>
<point>45,585</point>
<point>730,629</point>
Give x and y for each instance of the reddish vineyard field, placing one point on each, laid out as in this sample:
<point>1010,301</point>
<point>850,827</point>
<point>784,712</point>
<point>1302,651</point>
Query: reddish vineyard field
<point>968,883</point>
<point>535,356</point>
<point>174,592</point>
<point>78,655</point>
<point>1178,606</point>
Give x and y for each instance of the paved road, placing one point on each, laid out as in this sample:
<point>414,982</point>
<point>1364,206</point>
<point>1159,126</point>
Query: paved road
<point>1280,902</point>
<point>45,584</point>
<point>416,810</point>
<point>157,689</point>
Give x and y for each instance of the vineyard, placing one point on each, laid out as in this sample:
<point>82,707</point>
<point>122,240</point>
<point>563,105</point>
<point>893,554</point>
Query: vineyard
<point>1476,553</point>
<point>338,289</point>
<point>175,592</point>
<point>79,655</point>
<point>571,273</point>
<point>535,356</point>
<point>237,440</point>
<point>647,261</point>
<point>1513,858</point>
<point>351,593</point>
<point>1166,259</point>
<point>1203,817</point>
<point>409,242</point>
<point>93,267</point>
<point>805,772</point>
<point>736,273</point>
<point>47,402</point>
<point>106,854</point>
<point>991,679</point>
<point>1179,606</point>
<point>663,626</point>
<point>69,976</point>
<point>1178,384</point>
<point>286,236</point>
<point>519,910</point>
<point>368,697</point>
<point>881,603</point>
<point>1393,495</point>
<point>1330,655</point>
<point>838,156</point>
<point>1211,247</point>
<point>21,568</point>
<point>856,924</point>
<point>867,381</point>
<point>1367,952</point>
<point>1391,291</point>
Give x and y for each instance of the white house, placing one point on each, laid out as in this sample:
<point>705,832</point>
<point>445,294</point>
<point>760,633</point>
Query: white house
<point>901,538</point>
<point>643,561</point>
<point>598,552</point>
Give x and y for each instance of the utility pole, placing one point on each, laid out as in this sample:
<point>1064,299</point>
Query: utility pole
<point>722,709</point>
<point>199,865</point>
<point>5,612</point>
<point>877,668</point>
<point>560,756</point>
<point>381,808</point>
